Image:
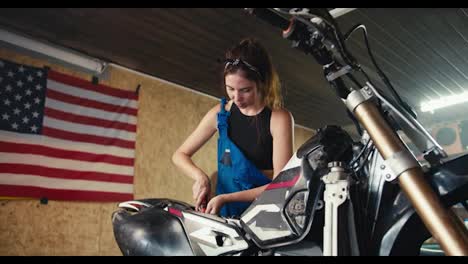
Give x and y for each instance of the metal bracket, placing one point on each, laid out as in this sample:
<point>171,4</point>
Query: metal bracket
<point>336,193</point>
<point>398,163</point>
<point>357,97</point>
<point>334,75</point>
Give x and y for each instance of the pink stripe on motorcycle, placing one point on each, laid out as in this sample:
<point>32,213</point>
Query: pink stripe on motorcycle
<point>286,184</point>
<point>175,212</point>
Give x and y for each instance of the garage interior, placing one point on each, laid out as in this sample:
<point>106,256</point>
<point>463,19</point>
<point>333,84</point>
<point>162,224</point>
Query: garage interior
<point>172,57</point>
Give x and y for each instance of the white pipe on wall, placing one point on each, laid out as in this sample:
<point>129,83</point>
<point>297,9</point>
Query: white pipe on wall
<point>59,53</point>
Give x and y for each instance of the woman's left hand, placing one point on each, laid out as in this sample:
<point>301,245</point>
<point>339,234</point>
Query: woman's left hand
<point>215,204</point>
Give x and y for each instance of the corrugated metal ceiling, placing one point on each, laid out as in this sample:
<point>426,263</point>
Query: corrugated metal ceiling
<point>423,51</point>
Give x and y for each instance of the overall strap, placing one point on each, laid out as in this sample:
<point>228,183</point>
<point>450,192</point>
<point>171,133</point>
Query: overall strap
<point>222,118</point>
<point>223,104</point>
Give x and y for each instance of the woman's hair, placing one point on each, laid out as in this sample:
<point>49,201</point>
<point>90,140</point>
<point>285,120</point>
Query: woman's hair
<point>252,59</point>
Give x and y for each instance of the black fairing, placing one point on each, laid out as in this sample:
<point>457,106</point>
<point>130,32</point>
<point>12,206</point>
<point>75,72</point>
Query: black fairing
<point>337,146</point>
<point>150,232</point>
<point>400,231</point>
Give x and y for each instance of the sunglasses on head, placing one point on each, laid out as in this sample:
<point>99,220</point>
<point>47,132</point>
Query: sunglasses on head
<point>236,62</point>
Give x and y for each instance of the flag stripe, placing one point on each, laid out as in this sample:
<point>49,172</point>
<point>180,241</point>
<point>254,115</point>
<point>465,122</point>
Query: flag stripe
<point>54,194</point>
<point>88,130</point>
<point>57,133</point>
<point>89,103</point>
<point>65,184</point>
<point>103,89</point>
<point>65,144</point>
<point>89,112</point>
<point>89,120</point>
<point>57,163</point>
<point>64,154</point>
<point>11,168</point>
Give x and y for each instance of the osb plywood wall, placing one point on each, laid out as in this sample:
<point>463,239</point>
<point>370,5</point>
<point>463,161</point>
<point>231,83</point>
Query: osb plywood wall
<point>166,115</point>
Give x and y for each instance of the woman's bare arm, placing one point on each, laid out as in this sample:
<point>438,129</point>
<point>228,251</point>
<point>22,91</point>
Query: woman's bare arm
<point>182,156</point>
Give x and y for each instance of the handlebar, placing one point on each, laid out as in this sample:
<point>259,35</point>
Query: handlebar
<point>314,31</point>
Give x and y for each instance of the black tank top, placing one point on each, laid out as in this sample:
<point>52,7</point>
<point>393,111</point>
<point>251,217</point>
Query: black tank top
<point>252,135</point>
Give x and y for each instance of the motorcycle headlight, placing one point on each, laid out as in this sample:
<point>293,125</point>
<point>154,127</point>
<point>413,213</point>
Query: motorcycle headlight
<point>296,210</point>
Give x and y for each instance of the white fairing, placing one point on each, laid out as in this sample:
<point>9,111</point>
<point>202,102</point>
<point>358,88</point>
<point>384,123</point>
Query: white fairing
<point>264,233</point>
<point>264,207</point>
<point>293,162</point>
<point>206,236</point>
<point>264,219</point>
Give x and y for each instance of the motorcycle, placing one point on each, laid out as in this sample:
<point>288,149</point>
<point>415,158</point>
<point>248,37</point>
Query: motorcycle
<point>336,196</point>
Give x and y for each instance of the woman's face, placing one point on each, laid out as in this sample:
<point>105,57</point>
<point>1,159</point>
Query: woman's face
<point>241,90</point>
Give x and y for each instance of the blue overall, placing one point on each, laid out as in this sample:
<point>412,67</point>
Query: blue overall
<point>235,172</point>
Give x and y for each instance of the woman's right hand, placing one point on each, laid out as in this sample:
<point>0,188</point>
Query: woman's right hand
<point>201,192</point>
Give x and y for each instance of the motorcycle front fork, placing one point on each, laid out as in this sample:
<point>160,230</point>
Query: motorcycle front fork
<point>441,223</point>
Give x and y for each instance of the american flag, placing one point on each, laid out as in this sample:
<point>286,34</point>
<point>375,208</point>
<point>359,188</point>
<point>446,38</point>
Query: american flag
<point>64,138</point>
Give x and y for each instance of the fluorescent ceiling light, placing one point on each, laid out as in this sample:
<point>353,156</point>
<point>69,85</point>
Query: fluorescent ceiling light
<point>432,105</point>
<point>336,12</point>
<point>59,53</point>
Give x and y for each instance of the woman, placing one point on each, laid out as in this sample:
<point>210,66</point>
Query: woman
<point>255,134</point>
